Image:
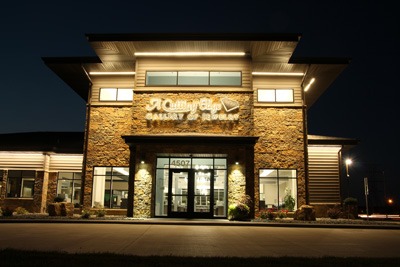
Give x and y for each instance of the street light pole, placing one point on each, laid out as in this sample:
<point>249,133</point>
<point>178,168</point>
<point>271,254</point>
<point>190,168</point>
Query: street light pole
<point>348,162</point>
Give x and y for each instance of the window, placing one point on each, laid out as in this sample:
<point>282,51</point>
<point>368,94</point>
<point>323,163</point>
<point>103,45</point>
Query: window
<point>193,78</point>
<point>20,184</point>
<point>116,94</point>
<point>232,78</point>
<point>275,95</point>
<point>161,78</point>
<point>69,186</point>
<point>110,187</point>
<point>278,189</point>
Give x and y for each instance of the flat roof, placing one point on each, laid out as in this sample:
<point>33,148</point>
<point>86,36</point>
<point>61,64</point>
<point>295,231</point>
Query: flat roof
<point>58,142</point>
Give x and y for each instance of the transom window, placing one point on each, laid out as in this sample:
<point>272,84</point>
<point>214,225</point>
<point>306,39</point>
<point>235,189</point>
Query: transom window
<point>275,95</point>
<point>194,78</point>
<point>278,189</point>
<point>116,94</point>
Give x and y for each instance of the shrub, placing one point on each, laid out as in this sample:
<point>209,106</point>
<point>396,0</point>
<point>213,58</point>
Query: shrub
<point>59,199</point>
<point>86,213</point>
<point>8,212</point>
<point>241,210</point>
<point>21,210</point>
<point>100,213</point>
<point>350,201</point>
<point>238,212</point>
<point>267,214</point>
<point>334,213</point>
<point>281,214</point>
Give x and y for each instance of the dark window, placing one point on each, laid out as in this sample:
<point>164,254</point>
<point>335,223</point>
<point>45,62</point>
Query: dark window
<point>20,184</point>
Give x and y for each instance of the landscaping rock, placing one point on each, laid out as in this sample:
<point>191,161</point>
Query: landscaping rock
<point>305,213</point>
<point>54,209</point>
<point>61,209</point>
<point>67,209</point>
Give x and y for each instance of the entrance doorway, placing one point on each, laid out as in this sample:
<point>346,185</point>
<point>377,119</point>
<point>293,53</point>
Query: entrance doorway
<point>191,193</point>
<point>191,187</point>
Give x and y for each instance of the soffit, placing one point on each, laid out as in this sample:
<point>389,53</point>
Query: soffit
<point>266,55</point>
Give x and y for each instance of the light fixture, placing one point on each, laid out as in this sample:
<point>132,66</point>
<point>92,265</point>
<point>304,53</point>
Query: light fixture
<point>348,162</point>
<point>277,73</point>
<point>112,73</point>
<point>187,54</point>
<point>309,84</point>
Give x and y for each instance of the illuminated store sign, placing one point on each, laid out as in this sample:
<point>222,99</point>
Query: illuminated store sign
<point>205,109</point>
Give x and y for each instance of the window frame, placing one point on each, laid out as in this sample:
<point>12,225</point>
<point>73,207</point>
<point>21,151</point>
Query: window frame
<point>193,85</point>
<point>23,175</point>
<point>276,179</point>
<point>108,178</point>
<point>117,89</point>
<point>76,176</point>
<point>275,90</point>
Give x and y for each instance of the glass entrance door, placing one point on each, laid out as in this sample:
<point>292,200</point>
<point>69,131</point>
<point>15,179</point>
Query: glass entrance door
<point>191,193</point>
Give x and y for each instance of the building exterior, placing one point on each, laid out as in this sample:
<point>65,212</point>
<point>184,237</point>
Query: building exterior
<point>183,125</point>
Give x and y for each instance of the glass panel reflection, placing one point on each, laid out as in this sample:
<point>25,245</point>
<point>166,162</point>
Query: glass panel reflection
<point>179,191</point>
<point>202,187</point>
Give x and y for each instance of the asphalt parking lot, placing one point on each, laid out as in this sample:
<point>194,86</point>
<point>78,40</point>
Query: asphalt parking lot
<point>205,240</point>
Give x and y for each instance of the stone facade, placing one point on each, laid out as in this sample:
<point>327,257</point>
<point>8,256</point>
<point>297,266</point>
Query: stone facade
<point>51,187</point>
<point>242,127</point>
<point>236,183</point>
<point>105,146</point>
<point>280,145</point>
<point>38,191</point>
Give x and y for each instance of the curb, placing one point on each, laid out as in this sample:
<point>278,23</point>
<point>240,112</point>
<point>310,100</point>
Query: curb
<point>207,223</point>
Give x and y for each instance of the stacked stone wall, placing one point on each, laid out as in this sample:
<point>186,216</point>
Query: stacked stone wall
<point>280,145</point>
<point>105,145</point>
<point>52,187</point>
<point>243,126</point>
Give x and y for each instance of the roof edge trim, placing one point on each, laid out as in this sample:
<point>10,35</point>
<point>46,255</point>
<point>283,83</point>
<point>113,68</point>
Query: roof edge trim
<point>71,60</point>
<point>320,60</point>
<point>290,37</point>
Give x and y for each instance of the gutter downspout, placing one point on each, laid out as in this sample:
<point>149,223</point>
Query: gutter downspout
<point>305,136</point>
<point>85,145</point>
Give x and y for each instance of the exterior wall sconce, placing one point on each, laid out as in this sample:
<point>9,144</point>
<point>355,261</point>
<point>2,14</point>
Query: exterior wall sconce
<point>142,158</point>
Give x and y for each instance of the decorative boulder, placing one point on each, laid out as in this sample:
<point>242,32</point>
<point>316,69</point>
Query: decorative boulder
<point>305,213</point>
<point>61,209</point>
<point>54,209</point>
<point>67,209</point>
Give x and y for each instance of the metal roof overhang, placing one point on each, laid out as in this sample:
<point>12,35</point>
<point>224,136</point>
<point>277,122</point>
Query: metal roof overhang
<point>268,52</point>
<point>346,143</point>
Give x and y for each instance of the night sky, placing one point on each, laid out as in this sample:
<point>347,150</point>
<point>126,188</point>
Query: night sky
<point>362,103</point>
